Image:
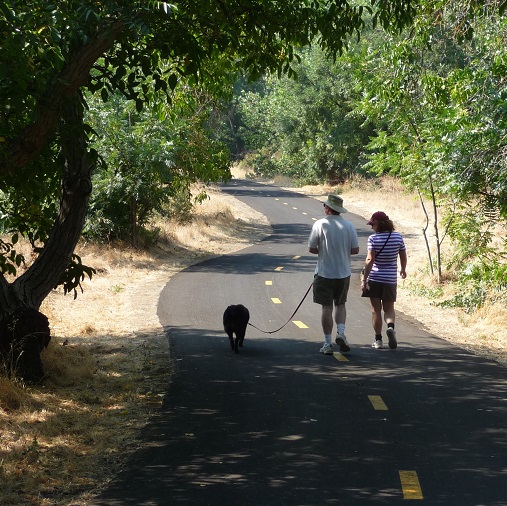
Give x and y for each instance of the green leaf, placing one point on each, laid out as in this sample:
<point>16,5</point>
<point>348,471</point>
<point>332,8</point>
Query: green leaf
<point>173,81</point>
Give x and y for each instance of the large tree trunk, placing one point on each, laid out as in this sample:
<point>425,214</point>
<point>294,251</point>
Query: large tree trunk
<point>24,331</point>
<point>34,285</point>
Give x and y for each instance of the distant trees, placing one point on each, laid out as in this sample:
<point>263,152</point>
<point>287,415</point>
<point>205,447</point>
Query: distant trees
<point>305,128</point>
<point>427,105</point>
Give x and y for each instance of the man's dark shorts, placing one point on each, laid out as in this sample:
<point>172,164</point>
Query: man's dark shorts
<point>382,291</point>
<point>328,291</point>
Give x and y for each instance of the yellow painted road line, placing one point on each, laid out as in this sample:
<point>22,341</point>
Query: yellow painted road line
<point>314,219</point>
<point>305,214</point>
<point>410,485</point>
<point>299,324</point>
<point>340,357</point>
<point>297,257</point>
<point>276,300</point>
<point>279,269</point>
<point>295,208</point>
<point>285,203</point>
<point>377,402</point>
<point>268,283</point>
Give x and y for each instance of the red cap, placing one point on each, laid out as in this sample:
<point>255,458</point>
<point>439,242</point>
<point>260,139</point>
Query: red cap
<point>378,216</point>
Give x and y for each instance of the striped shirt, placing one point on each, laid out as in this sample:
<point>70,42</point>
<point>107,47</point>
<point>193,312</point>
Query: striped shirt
<point>385,267</point>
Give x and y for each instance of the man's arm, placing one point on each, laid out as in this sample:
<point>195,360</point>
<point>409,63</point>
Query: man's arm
<point>354,251</point>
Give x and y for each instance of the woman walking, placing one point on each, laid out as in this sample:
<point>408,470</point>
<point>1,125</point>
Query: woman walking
<point>380,275</point>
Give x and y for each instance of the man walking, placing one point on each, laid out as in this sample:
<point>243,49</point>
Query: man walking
<point>334,240</point>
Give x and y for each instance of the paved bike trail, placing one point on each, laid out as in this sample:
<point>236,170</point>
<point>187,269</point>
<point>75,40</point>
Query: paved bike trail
<point>280,424</point>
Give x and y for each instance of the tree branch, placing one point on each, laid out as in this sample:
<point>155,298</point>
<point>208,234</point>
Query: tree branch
<point>62,87</point>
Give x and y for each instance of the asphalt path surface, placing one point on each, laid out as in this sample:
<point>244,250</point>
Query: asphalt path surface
<point>281,424</point>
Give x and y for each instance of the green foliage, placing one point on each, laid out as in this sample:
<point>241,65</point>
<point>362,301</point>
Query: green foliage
<point>9,258</point>
<point>480,281</point>
<point>149,158</point>
<point>469,301</point>
<point>74,274</point>
<point>441,101</point>
<point>129,184</point>
<point>426,291</point>
<point>304,128</point>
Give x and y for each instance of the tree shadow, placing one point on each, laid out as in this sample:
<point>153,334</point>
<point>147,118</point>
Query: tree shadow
<point>258,429</point>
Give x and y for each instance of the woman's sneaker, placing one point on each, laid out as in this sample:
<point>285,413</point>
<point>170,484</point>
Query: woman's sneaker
<point>377,344</point>
<point>342,342</point>
<point>327,349</point>
<point>391,335</point>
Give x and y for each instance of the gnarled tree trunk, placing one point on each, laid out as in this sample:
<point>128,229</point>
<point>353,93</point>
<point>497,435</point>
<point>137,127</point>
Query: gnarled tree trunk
<point>24,331</point>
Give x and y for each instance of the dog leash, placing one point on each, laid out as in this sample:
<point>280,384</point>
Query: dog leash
<point>292,316</point>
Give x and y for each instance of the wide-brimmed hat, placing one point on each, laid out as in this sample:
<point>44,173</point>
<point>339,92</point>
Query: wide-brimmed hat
<point>335,202</point>
<point>378,216</point>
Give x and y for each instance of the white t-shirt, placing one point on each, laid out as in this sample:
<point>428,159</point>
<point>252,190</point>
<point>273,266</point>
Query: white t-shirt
<point>335,237</point>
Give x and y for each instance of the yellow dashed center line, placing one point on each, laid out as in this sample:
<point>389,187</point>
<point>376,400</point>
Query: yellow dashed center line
<point>377,402</point>
<point>295,208</point>
<point>410,485</point>
<point>285,203</point>
<point>268,283</point>
<point>276,300</point>
<point>340,357</point>
<point>305,214</point>
<point>314,219</point>
<point>299,324</point>
<point>297,257</point>
<point>279,269</point>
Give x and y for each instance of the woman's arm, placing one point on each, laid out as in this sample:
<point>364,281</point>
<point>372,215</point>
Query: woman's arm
<point>403,263</point>
<point>368,264</point>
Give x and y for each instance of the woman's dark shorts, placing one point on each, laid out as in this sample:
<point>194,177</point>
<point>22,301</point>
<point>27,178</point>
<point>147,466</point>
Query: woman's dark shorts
<point>382,291</point>
<point>326,291</point>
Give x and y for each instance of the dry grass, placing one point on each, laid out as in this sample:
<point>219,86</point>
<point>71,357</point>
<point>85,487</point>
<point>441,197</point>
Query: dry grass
<point>108,359</point>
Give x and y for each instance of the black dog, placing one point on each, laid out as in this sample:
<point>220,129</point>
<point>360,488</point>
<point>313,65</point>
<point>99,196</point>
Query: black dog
<point>235,322</point>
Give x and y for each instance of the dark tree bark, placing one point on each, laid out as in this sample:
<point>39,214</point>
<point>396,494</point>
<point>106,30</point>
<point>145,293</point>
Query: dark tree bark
<point>23,335</point>
<point>24,331</point>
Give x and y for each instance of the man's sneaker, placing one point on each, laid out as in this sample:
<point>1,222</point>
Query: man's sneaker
<point>377,344</point>
<point>342,342</point>
<point>327,349</point>
<point>391,335</point>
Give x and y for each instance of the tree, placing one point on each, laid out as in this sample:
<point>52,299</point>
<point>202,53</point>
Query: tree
<point>440,96</point>
<point>51,54</point>
<point>303,128</point>
<point>151,158</point>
